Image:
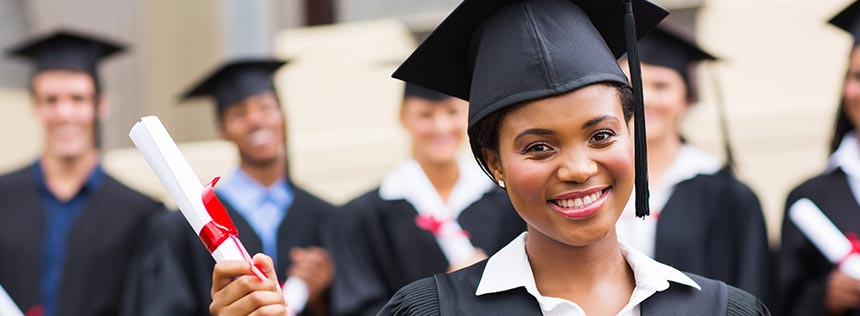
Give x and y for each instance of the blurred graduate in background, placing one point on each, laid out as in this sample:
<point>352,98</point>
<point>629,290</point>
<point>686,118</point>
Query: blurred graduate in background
<point>703,220</point>
<point>68,231</point>
<point>808,283</point>
<point>384,241</point>
<point>272,214</point>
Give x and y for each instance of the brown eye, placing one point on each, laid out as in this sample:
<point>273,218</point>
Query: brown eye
<point>537,148</point>
<point>602,136</point>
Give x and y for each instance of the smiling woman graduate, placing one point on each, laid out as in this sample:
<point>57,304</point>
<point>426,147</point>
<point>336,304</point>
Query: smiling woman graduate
<point>549,113</point>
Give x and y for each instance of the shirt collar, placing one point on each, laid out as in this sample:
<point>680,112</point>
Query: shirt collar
<point>509,269</point>
<point>246,193</point>
<point>409,182</point>
<point>689,163</point>
<point>92,182</point>
<point>846,157</point>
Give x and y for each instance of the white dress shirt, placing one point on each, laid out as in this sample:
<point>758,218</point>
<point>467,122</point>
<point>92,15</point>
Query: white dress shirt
<point>509,269</point>
<point>847,157</point>
<point>642,233</point>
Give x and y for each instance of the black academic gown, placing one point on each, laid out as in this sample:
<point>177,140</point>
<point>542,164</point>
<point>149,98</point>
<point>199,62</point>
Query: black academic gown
<point>379,248</point>
<point>802,269</point>
<point>454,295</point>
<point>176,276</point>
<point>712,225</point>
<point>102,244</point>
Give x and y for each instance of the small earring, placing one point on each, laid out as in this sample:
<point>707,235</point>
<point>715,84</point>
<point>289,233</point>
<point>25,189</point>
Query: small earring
<point>502,183</point>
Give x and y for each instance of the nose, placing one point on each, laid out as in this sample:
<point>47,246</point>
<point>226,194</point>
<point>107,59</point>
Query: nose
<point>442,123</point>
<point>577,167</point>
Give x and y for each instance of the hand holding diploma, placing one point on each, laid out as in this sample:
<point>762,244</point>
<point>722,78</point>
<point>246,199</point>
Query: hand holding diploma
<point>826,237</point>
<point>236,291</point>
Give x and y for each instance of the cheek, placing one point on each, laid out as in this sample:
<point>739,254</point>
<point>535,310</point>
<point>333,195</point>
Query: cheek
<point>526,178</point>
<point>618,162</point>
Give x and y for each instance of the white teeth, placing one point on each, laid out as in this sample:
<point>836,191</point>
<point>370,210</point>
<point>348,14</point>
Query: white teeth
<point>579,202</point>
<point>261,137</point>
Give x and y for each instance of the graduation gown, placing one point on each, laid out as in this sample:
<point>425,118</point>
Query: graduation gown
<point>454,294</point>
<point>712,225</point>
<point>802,269</point>
<point>102,243</point>
<point>379,248</point>
<point>176,275</point>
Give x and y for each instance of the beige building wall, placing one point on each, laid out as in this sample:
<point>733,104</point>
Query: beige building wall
<point>781,77</point>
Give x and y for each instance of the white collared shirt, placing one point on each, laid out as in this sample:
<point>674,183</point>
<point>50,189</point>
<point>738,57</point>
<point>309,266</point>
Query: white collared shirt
<point>847,157</point>
<point>509,269</point>
<point>642,233</point>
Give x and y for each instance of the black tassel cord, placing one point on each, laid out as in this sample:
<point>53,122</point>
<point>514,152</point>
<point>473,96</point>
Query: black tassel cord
<point>640,151</point>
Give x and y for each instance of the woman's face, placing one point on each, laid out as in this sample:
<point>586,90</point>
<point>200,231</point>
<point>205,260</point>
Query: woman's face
<point>437,128</point>
<point>665,102</point>
<point>851,89</point>
<point>567,163</point>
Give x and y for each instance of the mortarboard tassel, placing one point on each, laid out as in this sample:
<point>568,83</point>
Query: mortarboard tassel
<point>721,114</point>
<point>640,151</point>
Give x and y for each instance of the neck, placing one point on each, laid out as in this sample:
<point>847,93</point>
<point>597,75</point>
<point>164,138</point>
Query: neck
<point>661,153</point>
<point>579,273</point>
<point>265,173</point>
<point>64,177</point>
<point>443,176</point>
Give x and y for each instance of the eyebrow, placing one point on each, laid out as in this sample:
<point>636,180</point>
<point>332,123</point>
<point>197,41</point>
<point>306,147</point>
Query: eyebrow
<point>534,131</point>
<point>598,119</point>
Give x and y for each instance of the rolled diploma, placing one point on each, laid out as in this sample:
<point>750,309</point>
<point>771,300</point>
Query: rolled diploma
<point>829,240</point>
<point>163,156</point>
<point>296,294</point>
<point>455,243</point>
<point>7,305</point>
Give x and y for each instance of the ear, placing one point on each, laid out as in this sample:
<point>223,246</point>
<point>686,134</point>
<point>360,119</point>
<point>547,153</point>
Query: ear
<point>104,107</point>
<point>494,163</point>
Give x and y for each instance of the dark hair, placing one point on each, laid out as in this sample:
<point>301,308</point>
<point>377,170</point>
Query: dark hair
<point>485,133</point>
<point>841,127</point>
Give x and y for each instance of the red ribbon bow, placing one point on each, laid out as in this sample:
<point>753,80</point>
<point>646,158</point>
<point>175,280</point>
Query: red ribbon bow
<point>855,246</point>
<point>221,227</point>
<point>434,224</point>
<point>36,310</point>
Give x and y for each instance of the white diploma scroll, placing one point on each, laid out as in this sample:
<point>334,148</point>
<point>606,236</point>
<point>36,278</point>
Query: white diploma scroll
<point>825,236</point>
<point>163,156</point>
<point>7,306</point>
<point>452,239</point>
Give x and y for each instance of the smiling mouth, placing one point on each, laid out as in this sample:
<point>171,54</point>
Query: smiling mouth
<point>580,207</point>
<point>580,202</point>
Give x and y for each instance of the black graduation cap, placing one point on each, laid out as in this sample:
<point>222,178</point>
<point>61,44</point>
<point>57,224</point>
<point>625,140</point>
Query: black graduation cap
<point>236,80</point>
<point>498,53</point>
<point>67,50</point>
<point>416,91</point>
<point>667,48</point>
<point>849,20</point>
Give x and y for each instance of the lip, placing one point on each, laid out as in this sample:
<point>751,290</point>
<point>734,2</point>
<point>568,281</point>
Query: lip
<point>584,212</point>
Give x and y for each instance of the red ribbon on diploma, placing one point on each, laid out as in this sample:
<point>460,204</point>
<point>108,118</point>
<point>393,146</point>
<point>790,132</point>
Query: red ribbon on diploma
<point>434,224</point>
<point>855,246</point>
<point>221,228</point>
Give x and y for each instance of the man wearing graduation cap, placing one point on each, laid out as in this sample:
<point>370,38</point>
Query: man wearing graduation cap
<point>273,215</point>
<point>68,231</point>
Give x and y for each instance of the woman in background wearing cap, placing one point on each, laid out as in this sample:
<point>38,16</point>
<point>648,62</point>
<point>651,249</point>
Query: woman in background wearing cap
<point>380,245</point>
<point>807,283</point>
<point>548,119</point>
<point>703,220</point>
